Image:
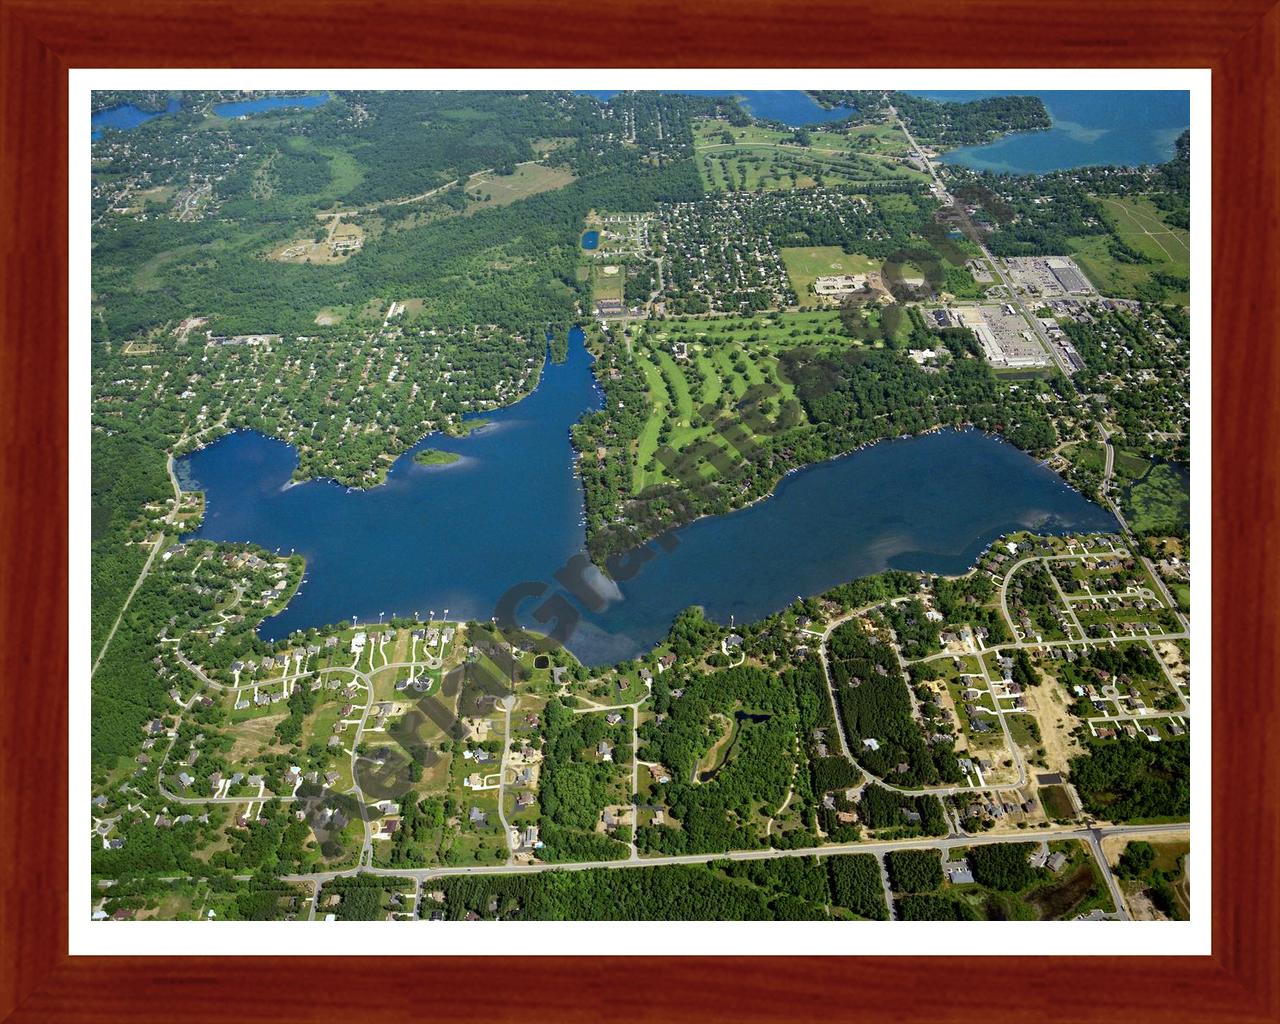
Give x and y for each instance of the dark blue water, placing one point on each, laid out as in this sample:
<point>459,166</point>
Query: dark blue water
<point>1090,128</point>
<point>126,117</point>
<point>590,239</point>
<point>268,103</point>
<point>460,536</point>
<point>793,107</point>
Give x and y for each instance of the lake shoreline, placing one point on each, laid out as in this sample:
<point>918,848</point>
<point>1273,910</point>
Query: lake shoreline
<point>515,523</point>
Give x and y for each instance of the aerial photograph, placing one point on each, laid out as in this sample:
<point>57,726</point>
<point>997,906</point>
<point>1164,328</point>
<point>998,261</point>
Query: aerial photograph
<point>639,506</point>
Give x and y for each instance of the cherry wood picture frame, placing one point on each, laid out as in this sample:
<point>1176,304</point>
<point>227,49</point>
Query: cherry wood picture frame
<point>41,39</point>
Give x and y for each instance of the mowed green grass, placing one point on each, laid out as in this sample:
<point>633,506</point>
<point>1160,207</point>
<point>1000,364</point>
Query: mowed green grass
<point>806,265</point>
<point>677,385</point>
<point>647,443</point>
<point>734,382</point>
<point>712,387</point>
<point>764,158</point>
<point>771,330</point>
<point>1141,226</point>
<point>767,166</point>
<point>691,399</point>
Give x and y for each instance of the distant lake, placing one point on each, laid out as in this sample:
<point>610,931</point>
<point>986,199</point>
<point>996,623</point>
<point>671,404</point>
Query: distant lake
<point>1090,128</point>
<point>127,116</point>
<point>240,109</point>
<point>590,239</point>
<point>793,107</point>
<point>511,511</point>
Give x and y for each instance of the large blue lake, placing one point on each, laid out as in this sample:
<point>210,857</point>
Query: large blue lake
<point>1090,128</point>
<point>127,116</point>
<point>793,107</point>
<point>245,107</point>
<point>510,512</point>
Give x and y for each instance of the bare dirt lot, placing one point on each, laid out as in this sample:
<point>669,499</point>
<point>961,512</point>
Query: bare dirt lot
<point>339,242</point>
<point>254,737</point>
<point>1047,704</point>
<point>1168,853</point>
<point>1171,655</point>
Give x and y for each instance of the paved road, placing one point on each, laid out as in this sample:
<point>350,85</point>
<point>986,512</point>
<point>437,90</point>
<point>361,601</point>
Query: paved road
<point>146,566</point>
<point>867,777</point>
<point>976,237</point>
<point>1086,833</point>
<point>1108,468</point>
<point>1092,835</point>
<point>1061,362</point>
<point>1008,577</point>
<point>155,550</point>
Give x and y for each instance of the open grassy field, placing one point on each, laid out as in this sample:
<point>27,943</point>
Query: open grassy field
<point>1160,502</point>
<point>883,139</point>
<point>606,285</point>
<point>1086,456</point>
<point>256,738</point>
<point>331,315</point>
<point>528,180</point>
<point>1025,730</point>
<point>1141,226</point>
<point>805,265</point>
<point>1057,804</point>
<point>344,170</point>
<point>147,277</point>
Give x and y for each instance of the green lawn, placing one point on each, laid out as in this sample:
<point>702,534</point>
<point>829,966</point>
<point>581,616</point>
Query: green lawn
<point>726,357</point>
<point>659,401</point>
<point>804,265</point>
<point>754,158</point>
<point>677,385</point>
